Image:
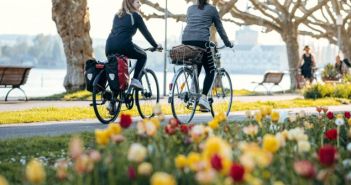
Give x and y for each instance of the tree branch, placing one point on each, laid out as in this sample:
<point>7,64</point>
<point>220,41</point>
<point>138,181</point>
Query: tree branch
<point>310,11</point>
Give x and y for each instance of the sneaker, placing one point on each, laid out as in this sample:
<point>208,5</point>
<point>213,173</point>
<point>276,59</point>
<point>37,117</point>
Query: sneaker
<point>204,105</point>
<point>136,84</point>
<point>110,107</point>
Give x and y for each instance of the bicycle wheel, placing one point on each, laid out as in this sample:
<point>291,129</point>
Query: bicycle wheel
<point>147,98</point>
<point>106,107</point>
<point>221,95</point>
<point>184,96</point>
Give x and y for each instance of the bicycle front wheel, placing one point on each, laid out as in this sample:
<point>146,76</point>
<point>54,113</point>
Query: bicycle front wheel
<point>221,95</point>
<point>105,104</point>
<point>149,96</point>
<point>184,96</point>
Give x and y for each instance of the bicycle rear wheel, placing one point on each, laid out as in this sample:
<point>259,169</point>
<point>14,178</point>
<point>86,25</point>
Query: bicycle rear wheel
<point>184,96</point>
<point>221,95</point>
<point>106,106</point>
<point>147,98</point>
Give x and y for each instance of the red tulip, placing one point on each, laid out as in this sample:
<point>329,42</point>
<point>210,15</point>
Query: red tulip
<point>331,134</point>
<point>347,115</point>
<point>237,172</point>
<point>184,129</point>
<point>330,115</point>
<point>173,122</point>
<point>216,162</point>
<point>304,168</point>
<point>131,173</point>
<point>327,155</point>
<point>125,120</point>
<point>170,130</point>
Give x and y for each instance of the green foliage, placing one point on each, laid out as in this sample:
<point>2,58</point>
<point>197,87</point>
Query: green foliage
<point>330,73</point>
<point>328,90</point>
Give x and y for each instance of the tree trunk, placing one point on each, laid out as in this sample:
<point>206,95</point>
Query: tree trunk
<point>292,48</point>
<point>73,25</point>
<point>346,45</point>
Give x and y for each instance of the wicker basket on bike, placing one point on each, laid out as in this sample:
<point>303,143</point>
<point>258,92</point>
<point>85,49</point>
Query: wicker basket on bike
<point>186,55</point>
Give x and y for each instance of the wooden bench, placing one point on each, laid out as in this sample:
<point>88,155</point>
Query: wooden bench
<point>13,77</point>
<point>270,78</point>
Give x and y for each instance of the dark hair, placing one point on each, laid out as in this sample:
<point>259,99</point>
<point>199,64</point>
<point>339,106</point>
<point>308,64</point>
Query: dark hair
<point>202,4</point>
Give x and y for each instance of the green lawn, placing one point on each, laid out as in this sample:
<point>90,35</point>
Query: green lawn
<point>15,153</point>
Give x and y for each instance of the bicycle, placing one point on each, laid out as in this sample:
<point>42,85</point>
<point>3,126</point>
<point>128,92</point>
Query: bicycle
<point>185,92</point>
<point>107,104</point>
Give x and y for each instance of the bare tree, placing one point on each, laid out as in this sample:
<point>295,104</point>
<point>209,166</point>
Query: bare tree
<point>73,25</point>
<point>323,24</point>
<point>282,16</point>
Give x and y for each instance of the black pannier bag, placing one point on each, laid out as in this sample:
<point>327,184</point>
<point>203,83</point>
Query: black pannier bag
<point>92,69</point>
<point>117,73</point>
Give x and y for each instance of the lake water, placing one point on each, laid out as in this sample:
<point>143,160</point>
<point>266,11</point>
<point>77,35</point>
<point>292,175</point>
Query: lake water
<point>45,82</point>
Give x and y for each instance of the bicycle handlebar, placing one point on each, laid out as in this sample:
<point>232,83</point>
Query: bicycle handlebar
<point>152,49</point>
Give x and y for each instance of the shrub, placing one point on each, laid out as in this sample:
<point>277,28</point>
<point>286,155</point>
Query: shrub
<point>327,90</point>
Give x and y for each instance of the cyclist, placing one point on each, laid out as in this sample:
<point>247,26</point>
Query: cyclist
<point>125,24</point>
<point>197,33</point>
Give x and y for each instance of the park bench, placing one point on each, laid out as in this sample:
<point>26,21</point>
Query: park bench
<point>270,78</point>
<point>13,77</point>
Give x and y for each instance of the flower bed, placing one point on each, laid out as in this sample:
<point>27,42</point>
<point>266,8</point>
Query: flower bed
<point>302,149</point>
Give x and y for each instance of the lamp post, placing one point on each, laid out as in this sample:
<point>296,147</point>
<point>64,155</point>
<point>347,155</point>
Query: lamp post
<point>165,53</point>
<point>339,23</point>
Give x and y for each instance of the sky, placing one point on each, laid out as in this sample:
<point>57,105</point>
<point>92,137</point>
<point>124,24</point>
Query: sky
<point>34,17</point>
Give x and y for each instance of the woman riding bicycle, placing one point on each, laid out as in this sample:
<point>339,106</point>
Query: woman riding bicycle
<point>125,24</point>
<point>197,33</point>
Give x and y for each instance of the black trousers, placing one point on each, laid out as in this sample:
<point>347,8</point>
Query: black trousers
<point>131,51</point>
<point>207,63</point>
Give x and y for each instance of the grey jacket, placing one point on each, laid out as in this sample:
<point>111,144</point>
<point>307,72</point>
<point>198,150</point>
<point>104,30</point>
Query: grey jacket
<point>199,23</point>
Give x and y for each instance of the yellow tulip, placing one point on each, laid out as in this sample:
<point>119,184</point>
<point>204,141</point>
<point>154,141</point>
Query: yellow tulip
<point>275,117</point>
<point>102,137</point>
<point>180,161</point>
<point>258,116</point>
<point>269,110</point>
<point>35,172</point>
<point>156,122</point>
<point>213,124</point>
<point>264,111</point>
<point>349,122</point>
<point>162,178</point>
<point>221,117</point>
<point>145,169</point>
<point>340,116</point>
<point>270,143</point>
<point>278,183</point>
<point>3,181</point>
<point>114,129</point>
<point>193,160</point>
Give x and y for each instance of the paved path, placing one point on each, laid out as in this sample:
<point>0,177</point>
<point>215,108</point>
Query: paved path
<point>65,127</point>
